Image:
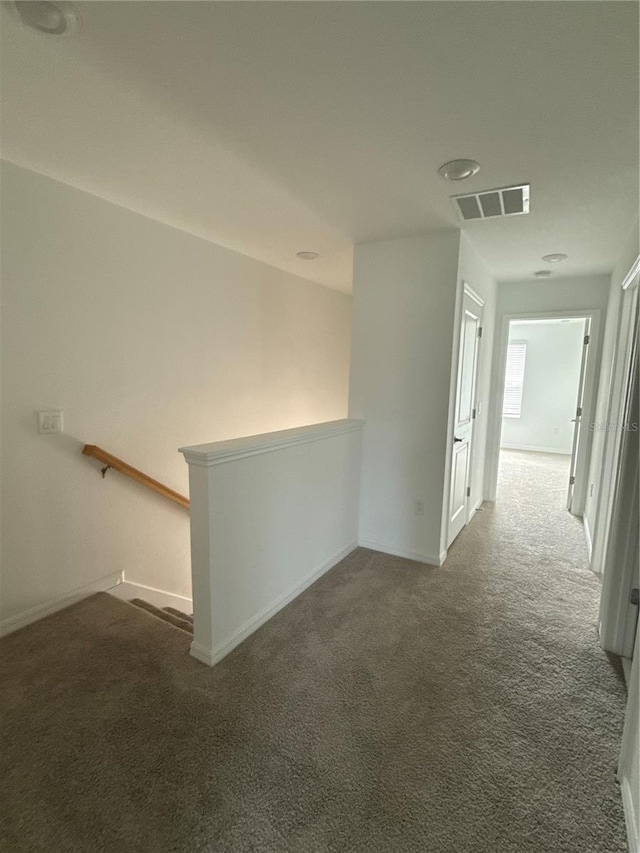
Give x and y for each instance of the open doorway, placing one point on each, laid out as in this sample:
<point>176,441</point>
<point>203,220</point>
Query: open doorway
<point>543,455</point>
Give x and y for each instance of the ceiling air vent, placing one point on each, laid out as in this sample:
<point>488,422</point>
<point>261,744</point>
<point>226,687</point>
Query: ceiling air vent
<point>489,204</point>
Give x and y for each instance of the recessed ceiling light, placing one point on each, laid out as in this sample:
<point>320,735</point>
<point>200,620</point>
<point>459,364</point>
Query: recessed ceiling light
<point>307,256</point>
<point>542,273</point>
<point>555,258</point>
<point>458,170</point>
<point>54,19</point>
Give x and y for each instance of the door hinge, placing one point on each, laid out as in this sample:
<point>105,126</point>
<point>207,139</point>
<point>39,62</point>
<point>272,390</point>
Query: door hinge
<point>473,414</point>
<point>579,412</point>
<point>572,480</point>
<point>468,491</point>
<point>479,331</point>
<point>635,596</point>
<point>587,338</point>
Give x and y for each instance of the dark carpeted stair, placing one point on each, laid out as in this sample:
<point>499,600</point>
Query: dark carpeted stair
<point>167,614</point>
<point>179,614</point>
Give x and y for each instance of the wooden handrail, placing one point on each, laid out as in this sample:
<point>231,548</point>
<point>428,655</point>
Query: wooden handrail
<point>113,462</point>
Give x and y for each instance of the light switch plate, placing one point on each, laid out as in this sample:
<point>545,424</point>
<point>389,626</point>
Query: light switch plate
<point>49,422</point>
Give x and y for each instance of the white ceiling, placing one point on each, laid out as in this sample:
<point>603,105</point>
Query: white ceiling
<point>273,128</point>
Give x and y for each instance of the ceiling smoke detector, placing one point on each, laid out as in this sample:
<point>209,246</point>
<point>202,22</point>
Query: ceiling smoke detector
<point>458,170</point>
<point>53,19</point>
<point>491,204</point>
<point>542,273</point>
<point>307,256</point>
<point>555,258</point>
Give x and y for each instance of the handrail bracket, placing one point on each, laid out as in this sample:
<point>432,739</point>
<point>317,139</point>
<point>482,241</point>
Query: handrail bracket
<point>110,461</point>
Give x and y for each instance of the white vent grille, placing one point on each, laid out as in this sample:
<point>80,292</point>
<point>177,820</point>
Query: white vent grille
<point>491,204</point>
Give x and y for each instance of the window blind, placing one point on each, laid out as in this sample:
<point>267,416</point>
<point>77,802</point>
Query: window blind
<point>514,379</point>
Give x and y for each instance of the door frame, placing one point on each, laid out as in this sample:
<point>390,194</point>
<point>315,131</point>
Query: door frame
<point>628,753</point>
<point>588,407</point>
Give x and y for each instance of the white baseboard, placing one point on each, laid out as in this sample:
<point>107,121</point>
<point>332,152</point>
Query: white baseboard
<point>630,818</point>
<point>532,449</point>
<point>213,656</point>
<point>204,655</point>
<point>587,534</point>
<point>158,597</point>
<point>401,552</point>
<point>21,620</point>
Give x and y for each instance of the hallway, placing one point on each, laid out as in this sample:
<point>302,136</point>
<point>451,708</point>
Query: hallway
<point>392,708</point>
<point>533,479</point>
<point>531,505</point>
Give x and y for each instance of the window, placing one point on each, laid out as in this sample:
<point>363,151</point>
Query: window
<point>514,379</point>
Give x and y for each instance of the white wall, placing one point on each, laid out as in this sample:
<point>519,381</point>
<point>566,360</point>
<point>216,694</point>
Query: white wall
<point>403,315</point>
<point>148,338</point>
<point>601,438</point>
<point>553,294</point>
<point>550,390</point>
<point>270,514</point>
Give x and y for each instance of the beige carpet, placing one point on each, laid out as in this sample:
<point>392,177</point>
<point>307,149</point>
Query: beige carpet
<point>392,708</point>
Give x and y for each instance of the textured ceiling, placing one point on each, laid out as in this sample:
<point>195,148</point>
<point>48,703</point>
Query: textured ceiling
<point>273,128</point>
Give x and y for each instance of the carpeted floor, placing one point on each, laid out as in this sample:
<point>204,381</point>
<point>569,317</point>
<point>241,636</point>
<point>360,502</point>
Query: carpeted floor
<point>392,708</point>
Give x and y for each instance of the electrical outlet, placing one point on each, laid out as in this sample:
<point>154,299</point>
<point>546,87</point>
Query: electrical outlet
<point>49,422</point>
<point>419,507</point>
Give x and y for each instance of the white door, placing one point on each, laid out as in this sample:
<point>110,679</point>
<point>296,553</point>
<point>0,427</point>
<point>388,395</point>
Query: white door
<point>619,599</point>
<point>470,331</point>
<point>577,421</point>
<point>626,334</point>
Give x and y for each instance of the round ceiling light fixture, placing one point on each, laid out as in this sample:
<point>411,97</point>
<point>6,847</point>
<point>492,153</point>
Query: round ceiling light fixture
<point>458,170</point>
<point>307,256</point>
<point>542,273</point>
<point>555,258</point>
<point>53,19</point>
